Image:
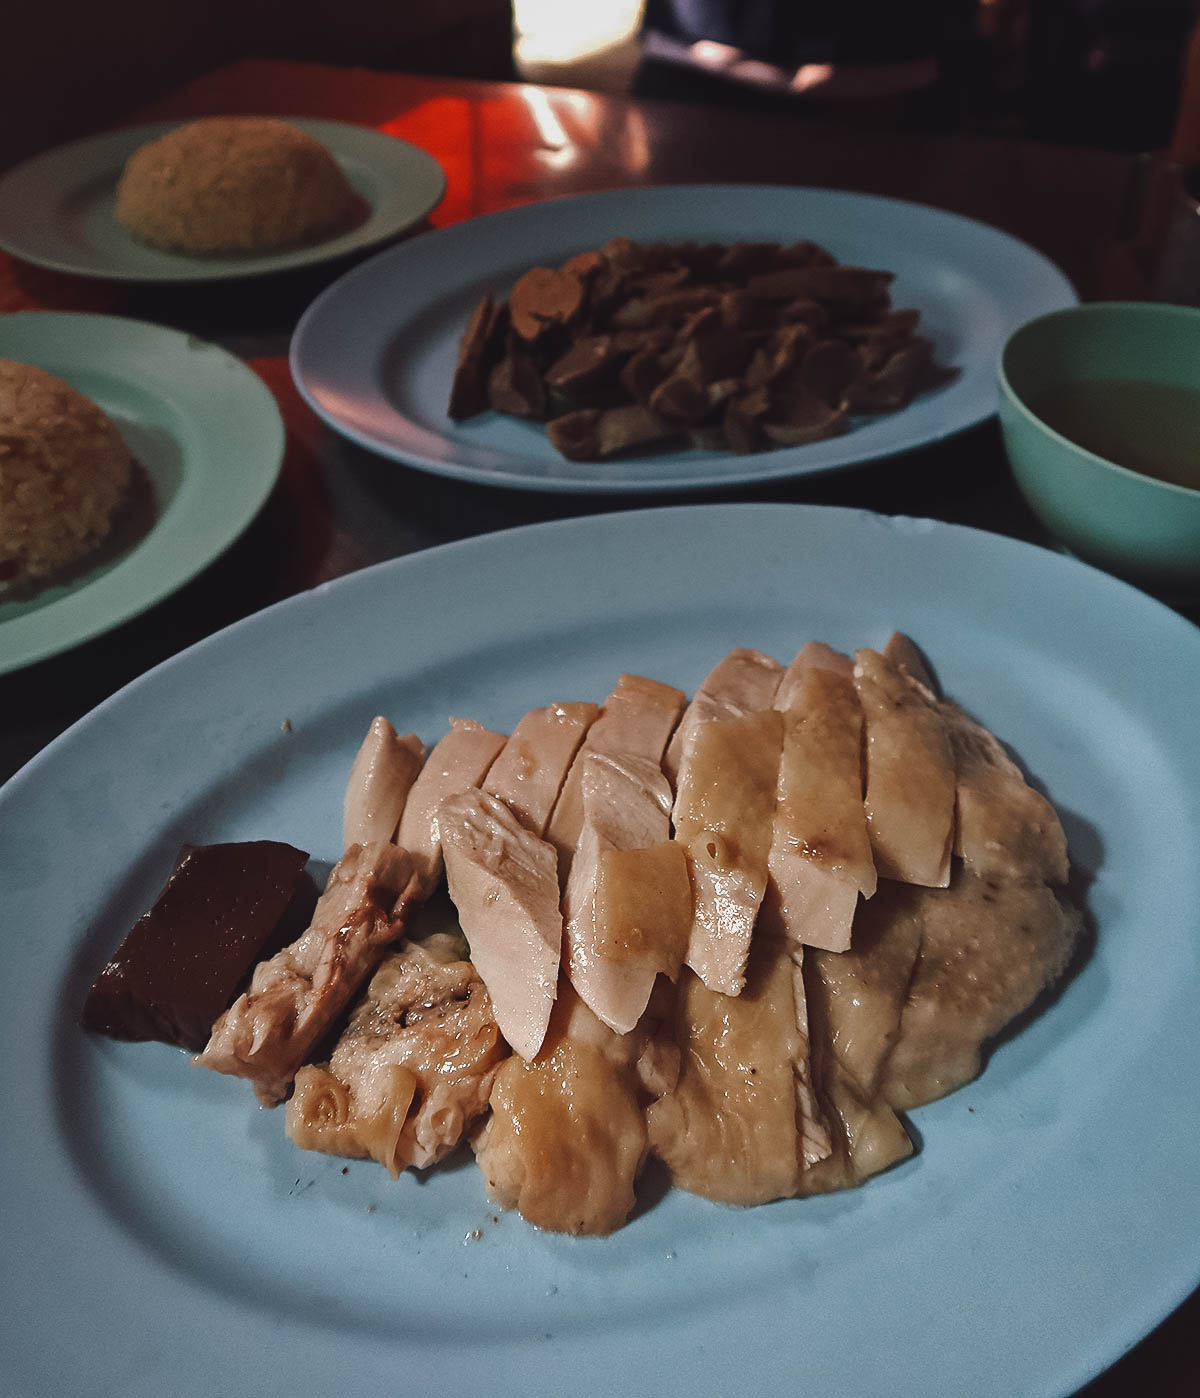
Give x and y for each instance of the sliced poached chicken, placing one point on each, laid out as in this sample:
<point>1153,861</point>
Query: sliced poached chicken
<point>412,1072</point>
<point>636,720</point>
<point>460,760</point>
<point>820,858</point>
<point>733,1128</point>
<point>627,908</point>
<point>529,773</point>
<point>744,682</point>
<point>380,780</point>
<point>566,1138</point>
<point>503,879</point>
<point>724,818</point>
<point>910,785</point>
<point>297,995</point>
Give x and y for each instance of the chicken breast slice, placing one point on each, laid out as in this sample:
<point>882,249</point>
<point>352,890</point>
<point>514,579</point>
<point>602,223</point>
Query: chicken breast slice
<point>297,995</point>
<point>636,720</point>
<point>813,655</point>
<point>533,764</point>
<point>743,683</point>
<point>1003,827</point>
<point>503,880</point>
<point>989,947</point>
<point>381,777</point>
<point>724,818</point>
<point>903,652</point>
<point>627,908</point>
<point>566,1138</point>
<point>820,858</point>
<point>460,760</point>
<point>910,783</point>
<point>731,1128</point>
<point>412,1072</point>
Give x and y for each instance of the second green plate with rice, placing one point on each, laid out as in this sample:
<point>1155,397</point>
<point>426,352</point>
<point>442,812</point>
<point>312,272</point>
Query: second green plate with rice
<point>208,437</point>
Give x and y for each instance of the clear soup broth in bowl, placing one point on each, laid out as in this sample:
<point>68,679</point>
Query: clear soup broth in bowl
<point>1100,411</point>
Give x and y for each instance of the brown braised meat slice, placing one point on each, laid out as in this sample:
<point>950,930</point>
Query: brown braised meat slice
<point>182,961</point>
<point>468,392</point>
<point>649,342</point>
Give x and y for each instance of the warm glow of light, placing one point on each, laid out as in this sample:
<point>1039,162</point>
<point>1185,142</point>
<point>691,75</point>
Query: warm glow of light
<point>550,129</point>
<point>564,31</point>
<point>810,75</point>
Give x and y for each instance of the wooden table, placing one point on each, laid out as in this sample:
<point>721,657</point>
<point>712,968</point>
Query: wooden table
<point>337,508</point>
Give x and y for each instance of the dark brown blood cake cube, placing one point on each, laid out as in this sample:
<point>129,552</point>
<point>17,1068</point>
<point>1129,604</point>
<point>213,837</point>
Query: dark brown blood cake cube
<point>184,960</point>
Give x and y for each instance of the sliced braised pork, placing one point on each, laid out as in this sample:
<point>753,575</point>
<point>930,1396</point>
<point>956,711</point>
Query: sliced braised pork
<point>297,996</point>
<point>412,1072</point>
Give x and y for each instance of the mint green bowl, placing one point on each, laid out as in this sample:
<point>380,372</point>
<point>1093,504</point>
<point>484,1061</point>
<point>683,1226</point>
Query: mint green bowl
<point>1141,528</point>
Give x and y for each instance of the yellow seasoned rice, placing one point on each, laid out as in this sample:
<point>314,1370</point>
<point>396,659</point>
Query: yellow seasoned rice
<point>234,185</point>
<point>64,470</point>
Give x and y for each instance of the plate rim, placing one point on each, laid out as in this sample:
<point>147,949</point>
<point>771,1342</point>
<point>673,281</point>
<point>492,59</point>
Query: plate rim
<point>182,270</point>
<point>1169,1295</point>
<point>783,463</point>
<point>38,636</point>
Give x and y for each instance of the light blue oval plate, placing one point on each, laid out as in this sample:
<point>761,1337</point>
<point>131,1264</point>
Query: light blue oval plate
<point>204,428</point>
<point>374,355</point>
<point>163,1236</point>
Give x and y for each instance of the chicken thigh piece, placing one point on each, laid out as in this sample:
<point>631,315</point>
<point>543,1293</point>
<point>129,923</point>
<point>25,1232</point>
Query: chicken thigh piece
<point>297,995</point>
<point>730,1130</point>
<point>989,947</point>
<point>412,1072</point>
<point>566,1139</point>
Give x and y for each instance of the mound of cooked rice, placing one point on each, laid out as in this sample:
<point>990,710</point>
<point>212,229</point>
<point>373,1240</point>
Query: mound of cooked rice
<point>234,185</point>
<point>64,470</point>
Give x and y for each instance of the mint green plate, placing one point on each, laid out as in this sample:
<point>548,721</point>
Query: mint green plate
<point>57,209</point>
<point>206,432</point>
